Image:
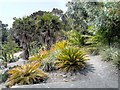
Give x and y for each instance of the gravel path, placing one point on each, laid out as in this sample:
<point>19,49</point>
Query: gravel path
<point>98,74</point>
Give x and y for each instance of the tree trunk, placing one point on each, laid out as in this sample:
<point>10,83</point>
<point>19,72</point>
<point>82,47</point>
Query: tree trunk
<point>26,54</point>
<point>48,40</point>
<point>48,45</point>
<point>5,64</point>
<point>5,55</point>
<point>26,51</point>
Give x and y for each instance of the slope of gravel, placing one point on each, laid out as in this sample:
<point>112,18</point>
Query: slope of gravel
<point>98,74</point>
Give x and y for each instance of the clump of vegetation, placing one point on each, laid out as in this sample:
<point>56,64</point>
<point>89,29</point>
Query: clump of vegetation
<point>111,54</point>
<point>4,76</point>
<point>116,58</point>
<point>49,62</point>
<point>93,50</point>
<point>107,53</point>
<point>7,58</point>
<point>75,38</point>
<point>61,45</point>
<point>26,74</point>
<point>71,59</point>
<point>48,57</point>
<point>41,55</point>
<point>34,51</point>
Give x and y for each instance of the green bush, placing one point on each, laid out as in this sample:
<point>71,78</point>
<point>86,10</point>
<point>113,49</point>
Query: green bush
<point>49,62</point>
<point>34,51</point>
<point>71,59</point>
<point>75,38</point>
<point>8,58</point>
<point>116,58</point>
<point>107,53</point>
<point>5,76</point>
<point>111,54</point>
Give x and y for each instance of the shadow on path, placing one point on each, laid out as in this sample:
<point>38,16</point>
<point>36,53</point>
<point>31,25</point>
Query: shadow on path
<point>89,68</point>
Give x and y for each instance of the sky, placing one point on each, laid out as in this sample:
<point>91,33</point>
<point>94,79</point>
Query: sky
<point>20,8</point>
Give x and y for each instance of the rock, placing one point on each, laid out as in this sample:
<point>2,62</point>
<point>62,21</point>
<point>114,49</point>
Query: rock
<point>61,74</point>
<point>64,76</point>
<point>0,71</point>
<point>4,70</point>
<point>55,74</point>
<point>73,79</point>
<point>44,81</point>
<point>65,80</point>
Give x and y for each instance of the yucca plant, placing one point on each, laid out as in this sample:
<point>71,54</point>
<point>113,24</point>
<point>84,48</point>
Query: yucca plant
<point>26,74</point>
<point>61,44</point>
<point>71,59</point>
<point>40,56</point>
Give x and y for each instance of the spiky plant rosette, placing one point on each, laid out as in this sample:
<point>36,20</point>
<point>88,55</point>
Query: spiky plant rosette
<point>26,74</point>
<point>71,59</point>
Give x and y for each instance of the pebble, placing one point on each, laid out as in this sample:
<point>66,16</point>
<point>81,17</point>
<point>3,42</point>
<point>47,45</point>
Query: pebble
<point>60,74</point>
<point>73,79</point>
<point>65,80</point>
<point>64,76</point>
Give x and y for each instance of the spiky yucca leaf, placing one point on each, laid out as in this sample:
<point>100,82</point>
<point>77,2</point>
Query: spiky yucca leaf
<point>71,59</point>
<point>26,74</point>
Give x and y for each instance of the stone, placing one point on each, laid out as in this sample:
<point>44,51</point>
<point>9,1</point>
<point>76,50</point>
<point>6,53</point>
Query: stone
<point>64,76</point>
<point>60,74</point>
<point>73,79</point>
<point>65,80</point>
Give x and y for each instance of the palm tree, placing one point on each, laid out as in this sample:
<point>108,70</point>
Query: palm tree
<point>24,31</point>
<point>48,25</point>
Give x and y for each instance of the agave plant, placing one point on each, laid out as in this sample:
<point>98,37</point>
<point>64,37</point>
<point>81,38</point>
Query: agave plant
<point>71,59</point>
<point>26,74</point>
<point>61,44</point>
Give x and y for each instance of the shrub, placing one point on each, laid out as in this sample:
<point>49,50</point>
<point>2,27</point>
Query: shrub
<point>116,58</point>
<point>93,50</point>
<point>8,58</point>
<point>26,74</point>
<point>40,56</point>
<point>5,76</point>
<point>71,59</point>
<point>49,62</point>
<point>111,54</point>
<point>34,51</point>
<point>78,39</point>
<point>107,53</point>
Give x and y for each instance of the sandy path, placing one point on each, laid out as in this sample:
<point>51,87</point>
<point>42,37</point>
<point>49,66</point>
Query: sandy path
<point>99,74</point>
